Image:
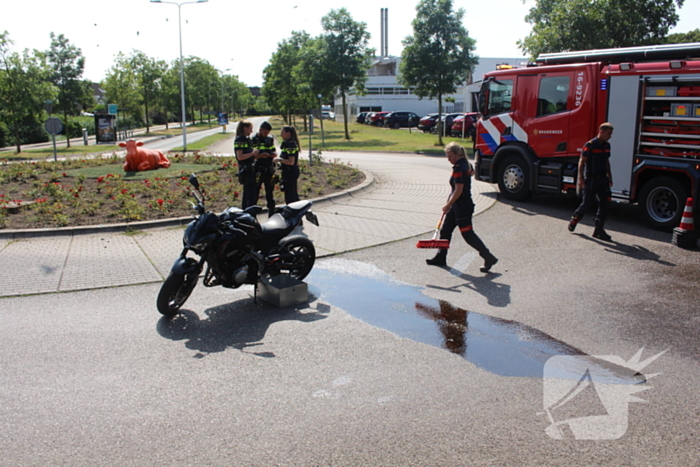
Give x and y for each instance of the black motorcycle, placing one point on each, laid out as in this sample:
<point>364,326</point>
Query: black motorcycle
<point>237,249</point>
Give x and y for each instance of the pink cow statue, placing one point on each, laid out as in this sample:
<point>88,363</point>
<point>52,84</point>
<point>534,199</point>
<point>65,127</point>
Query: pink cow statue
<point>139,159</point>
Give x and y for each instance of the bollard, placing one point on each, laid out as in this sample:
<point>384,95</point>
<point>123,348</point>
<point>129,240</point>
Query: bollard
<point>85,136</point>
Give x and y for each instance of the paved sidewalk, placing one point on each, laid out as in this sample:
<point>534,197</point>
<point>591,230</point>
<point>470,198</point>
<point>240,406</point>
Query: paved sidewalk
<point>400,199</point>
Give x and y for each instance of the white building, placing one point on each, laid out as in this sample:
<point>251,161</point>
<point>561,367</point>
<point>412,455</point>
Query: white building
<point>384,93</point>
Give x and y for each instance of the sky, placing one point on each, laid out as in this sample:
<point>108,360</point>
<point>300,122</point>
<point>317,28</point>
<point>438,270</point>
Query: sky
<point>237,37</point>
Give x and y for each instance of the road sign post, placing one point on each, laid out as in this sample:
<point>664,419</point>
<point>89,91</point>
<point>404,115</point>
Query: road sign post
<point>54,126</point>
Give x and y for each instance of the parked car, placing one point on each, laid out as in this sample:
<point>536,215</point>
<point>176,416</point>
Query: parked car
<point>328,115</point>
<point>377,118</point>
<point>397,120</point>
<point>465,125</point>
<point>361,117</point>
<point>368,118</point>
<point>427,123</point>
<point>447,120</point>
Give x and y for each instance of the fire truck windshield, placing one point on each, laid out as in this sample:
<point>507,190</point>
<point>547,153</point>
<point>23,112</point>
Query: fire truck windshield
<point>496,96</point>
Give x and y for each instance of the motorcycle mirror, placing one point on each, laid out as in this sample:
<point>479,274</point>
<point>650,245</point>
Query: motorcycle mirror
<point>193,181</point>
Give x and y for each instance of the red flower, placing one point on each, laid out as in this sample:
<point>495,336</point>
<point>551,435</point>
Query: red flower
<point>64,174</point>
<point>100,179</point>
<point>124,191</point>
<point>160,202</point>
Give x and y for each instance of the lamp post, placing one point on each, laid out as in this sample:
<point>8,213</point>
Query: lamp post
<point>183,118</point>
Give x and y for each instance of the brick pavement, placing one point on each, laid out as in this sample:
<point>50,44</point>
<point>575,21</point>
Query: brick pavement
<point>400,199</point>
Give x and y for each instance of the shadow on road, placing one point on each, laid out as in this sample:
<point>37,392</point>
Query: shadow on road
<point>496,293</point>
<point>630,251</point>
<point>622,217</point>
<point>239,325</point>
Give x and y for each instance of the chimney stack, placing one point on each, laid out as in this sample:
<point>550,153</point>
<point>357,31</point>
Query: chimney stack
<point>384,25</point>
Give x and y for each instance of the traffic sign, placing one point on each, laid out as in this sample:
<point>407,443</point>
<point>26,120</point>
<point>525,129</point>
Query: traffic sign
<point>112,109</point>
<point>53,126</point>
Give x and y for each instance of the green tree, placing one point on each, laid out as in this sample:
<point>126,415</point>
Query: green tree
<point>121,87</point>
<point>346,56</point>
<point>24,87</point>
<point>565,25</point>
<point>281,78</point>
<point>198,74</point>
<point>67,64</point>
<point>148,78</point>
<point>439,54</point>
<point>684,37</point>
<point>169,97</point>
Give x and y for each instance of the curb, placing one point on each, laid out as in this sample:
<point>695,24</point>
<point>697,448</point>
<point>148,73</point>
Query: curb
<point>141,225</point>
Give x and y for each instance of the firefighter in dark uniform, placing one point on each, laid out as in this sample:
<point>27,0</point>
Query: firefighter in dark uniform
<point>289,158</point>
<point>595,179</point>
<point>264,167</point>
<point>245,155</point>
<point>459,209</point>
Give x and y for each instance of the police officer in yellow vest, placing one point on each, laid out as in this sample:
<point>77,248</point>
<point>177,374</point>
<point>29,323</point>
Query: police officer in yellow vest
<point>264,167</point>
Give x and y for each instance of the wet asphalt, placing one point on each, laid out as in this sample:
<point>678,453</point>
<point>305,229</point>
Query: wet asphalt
<point>391,362</point>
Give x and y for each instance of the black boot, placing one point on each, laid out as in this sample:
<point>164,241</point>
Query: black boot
<point>270,210</point>
<point>599,232</point>
<point>489,260</point>
<point>440,259</point>
<point>574,221</point>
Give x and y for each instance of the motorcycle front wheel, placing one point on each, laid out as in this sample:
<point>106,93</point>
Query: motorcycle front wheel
<point>297,257</point>
<point>175,291</point>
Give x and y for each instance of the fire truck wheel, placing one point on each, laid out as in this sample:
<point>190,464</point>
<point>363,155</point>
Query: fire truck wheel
<point>513,174</point>
<point>662,201</point>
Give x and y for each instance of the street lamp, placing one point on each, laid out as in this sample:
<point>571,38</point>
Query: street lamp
<point>182,72</point>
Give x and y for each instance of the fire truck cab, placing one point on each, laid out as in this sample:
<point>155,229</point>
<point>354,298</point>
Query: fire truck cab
<point>535,121</point>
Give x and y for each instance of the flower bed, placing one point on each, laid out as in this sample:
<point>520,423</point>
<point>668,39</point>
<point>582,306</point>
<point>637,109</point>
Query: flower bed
<point>98,191</point>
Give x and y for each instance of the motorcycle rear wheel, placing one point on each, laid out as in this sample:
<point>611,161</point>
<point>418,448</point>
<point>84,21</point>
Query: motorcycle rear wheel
<point>298,256</point>
<point>175,291</point>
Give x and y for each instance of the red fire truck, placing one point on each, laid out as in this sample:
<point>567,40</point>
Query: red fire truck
<point>536,119</point>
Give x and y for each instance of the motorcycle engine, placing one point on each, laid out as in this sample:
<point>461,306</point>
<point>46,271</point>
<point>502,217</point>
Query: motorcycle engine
<point>235,271</point>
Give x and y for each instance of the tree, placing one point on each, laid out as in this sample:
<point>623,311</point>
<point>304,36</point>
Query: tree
<point>281,78</point>
<point>67,64</point>
<point>346,56</point>
<point>24,87</point>
<point>198,74</point>
<point>684,37</point>
<point>565,25</point>
<point>439,54</point>
<point>148,76</point>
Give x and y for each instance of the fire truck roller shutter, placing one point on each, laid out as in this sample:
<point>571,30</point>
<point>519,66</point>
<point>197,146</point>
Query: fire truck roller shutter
<point>623,113</point>
<point>514,168</point>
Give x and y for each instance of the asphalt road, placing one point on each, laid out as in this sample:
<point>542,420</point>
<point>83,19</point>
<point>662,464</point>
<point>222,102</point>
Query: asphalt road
<point>98,378</point>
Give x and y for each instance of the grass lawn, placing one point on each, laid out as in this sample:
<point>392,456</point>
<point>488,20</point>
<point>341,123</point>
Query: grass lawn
<point>369,138</point>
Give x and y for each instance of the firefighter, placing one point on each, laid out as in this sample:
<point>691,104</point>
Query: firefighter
<point>595,179</point>
<point>245,155</point>
<point>264,167</point>
<point>289,158</point>
<point>459,209</point>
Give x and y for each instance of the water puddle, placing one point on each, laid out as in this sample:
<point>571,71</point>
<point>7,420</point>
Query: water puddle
<point>500,346</point>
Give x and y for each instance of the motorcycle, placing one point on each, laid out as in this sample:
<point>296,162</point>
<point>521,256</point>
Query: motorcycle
<point>237,249</point>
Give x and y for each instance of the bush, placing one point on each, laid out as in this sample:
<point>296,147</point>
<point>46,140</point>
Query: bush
<point>74,128</point>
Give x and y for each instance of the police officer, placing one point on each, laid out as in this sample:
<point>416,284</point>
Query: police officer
<point>459,210</point>
<point>245,155</point>
<point>595,179</point>
<point>289,158</point>
<point>264,167</point>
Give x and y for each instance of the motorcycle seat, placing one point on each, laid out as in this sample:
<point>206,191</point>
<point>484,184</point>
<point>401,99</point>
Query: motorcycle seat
<point>275,223</point>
